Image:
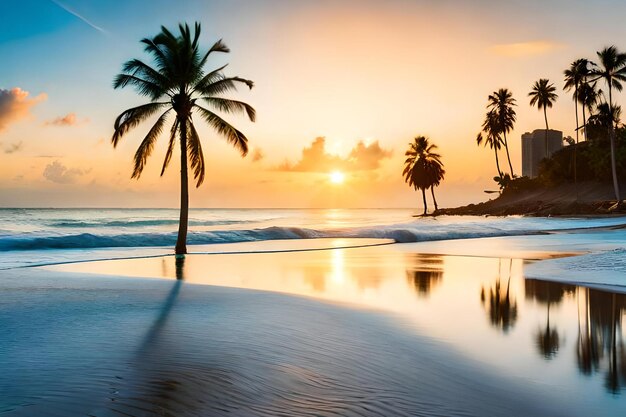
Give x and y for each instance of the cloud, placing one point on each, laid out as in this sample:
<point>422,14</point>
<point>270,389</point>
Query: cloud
<point>522,49</point>
<point>257,155</point>
<point>60,174</point>
<point>367,157</point>
<point>15,104</point>
<point>13,147</point>
<point>316,159</point>
<point>69,119</point>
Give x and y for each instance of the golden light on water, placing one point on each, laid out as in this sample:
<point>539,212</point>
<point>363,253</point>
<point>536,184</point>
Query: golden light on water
<point>337,177</point>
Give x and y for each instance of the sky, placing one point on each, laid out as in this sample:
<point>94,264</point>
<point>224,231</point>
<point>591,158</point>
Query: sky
<point>340,85</point>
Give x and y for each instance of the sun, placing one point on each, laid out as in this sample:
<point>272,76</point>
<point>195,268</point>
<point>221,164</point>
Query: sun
<point>337,177</point>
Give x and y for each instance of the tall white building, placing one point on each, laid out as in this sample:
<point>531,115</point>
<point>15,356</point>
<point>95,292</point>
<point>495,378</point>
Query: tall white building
<point>534,149</point>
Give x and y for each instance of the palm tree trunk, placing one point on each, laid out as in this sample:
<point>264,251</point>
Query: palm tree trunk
<point>612,138</point>
<point>432,191</point>
<point>576,148</point>
<point>181,242</point>
<point>495,150</point>
<point>584,122</point>
<point>545,115</point>
<point>424,197</point>
<point>506,147</point>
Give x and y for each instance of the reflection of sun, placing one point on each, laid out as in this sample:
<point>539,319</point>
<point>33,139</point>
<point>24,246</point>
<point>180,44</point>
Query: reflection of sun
<point>337,177</point>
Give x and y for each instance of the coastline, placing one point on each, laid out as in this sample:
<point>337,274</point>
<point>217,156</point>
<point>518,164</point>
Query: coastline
<point>588,199</point>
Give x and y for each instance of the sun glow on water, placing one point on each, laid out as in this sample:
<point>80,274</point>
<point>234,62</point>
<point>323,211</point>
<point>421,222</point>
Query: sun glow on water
<point>337,177</point>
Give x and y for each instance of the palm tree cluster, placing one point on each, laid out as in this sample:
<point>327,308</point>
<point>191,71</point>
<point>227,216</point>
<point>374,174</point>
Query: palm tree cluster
<point>582,77</point>
<point>423,168</point>
<point>176,84</point>
<point>499,120</point>
<point>599,111</point>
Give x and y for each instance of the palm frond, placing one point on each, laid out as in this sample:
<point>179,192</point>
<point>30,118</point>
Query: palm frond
<point>218,46</point>
<point>231,106</point>
<point>222,85</point>
<point>138,68</point>
<point>147,145</point>
<point>232,135</point>
<point>170,146</point>
<point>132,117</point>
<point>143,87</point>
<point>196,156</point>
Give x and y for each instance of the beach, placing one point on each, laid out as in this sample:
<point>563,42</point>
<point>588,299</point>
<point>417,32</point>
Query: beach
<point>331,326</point>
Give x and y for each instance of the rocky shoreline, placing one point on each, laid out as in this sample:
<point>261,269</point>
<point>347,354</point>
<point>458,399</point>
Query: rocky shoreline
<point>586,199</point>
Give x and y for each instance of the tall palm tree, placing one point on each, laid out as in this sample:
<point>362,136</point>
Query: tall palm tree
<point>176,83</point>
<point>612,69</point>
<point>419,171</point>
<point>502,102</point>
<point>491,136</point>
<point>543,95</point>
<point>575,76</point>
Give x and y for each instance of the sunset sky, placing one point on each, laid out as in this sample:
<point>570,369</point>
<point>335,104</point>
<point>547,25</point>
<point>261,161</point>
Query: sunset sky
<point>340,85</point>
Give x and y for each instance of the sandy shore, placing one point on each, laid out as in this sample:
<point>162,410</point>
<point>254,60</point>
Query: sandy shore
<point>376,331</point>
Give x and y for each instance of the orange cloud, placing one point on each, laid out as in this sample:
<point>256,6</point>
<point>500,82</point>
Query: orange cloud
<point>257,155</point>
<point>315,158</point>
<point>15,104</point>
<point>69,119</point>
<point>521,49</point>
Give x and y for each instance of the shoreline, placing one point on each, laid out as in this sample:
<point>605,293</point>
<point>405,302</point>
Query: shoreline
<point>373,331</point>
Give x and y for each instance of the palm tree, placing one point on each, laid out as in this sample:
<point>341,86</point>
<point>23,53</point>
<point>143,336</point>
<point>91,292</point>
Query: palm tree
<point>176,82</point>
<point>423,167</point>
<point>543,95</point>
<point>435,173</point>
<point>588,97</point>
<point>575,76</point>
<point>502,102</point>
<point>492,136</point>
<point>612,70</point>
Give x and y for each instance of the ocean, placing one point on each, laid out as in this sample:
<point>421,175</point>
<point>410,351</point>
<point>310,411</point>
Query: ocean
<point>44,236</point>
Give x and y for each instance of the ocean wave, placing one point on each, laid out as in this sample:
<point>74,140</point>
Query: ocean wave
<point>157,239</point>
<point>140,223</point>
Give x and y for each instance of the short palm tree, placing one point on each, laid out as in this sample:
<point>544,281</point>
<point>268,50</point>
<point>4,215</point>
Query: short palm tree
<point>175,84</point>
<point>612,69</point>
<point>502,102</point>
<point>491,136</point>
<point>423,168</point>
<point>543,96</point>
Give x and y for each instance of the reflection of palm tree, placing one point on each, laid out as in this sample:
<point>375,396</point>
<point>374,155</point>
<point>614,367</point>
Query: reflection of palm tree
<point>546,292</point>
<point>175,84</point>
<point>600,341</point>
<point>501,308</point>
<point>425,272</point>
<point>548,340</point>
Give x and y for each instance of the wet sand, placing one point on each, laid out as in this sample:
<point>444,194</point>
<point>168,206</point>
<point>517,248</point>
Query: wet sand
<point>378,331</point>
